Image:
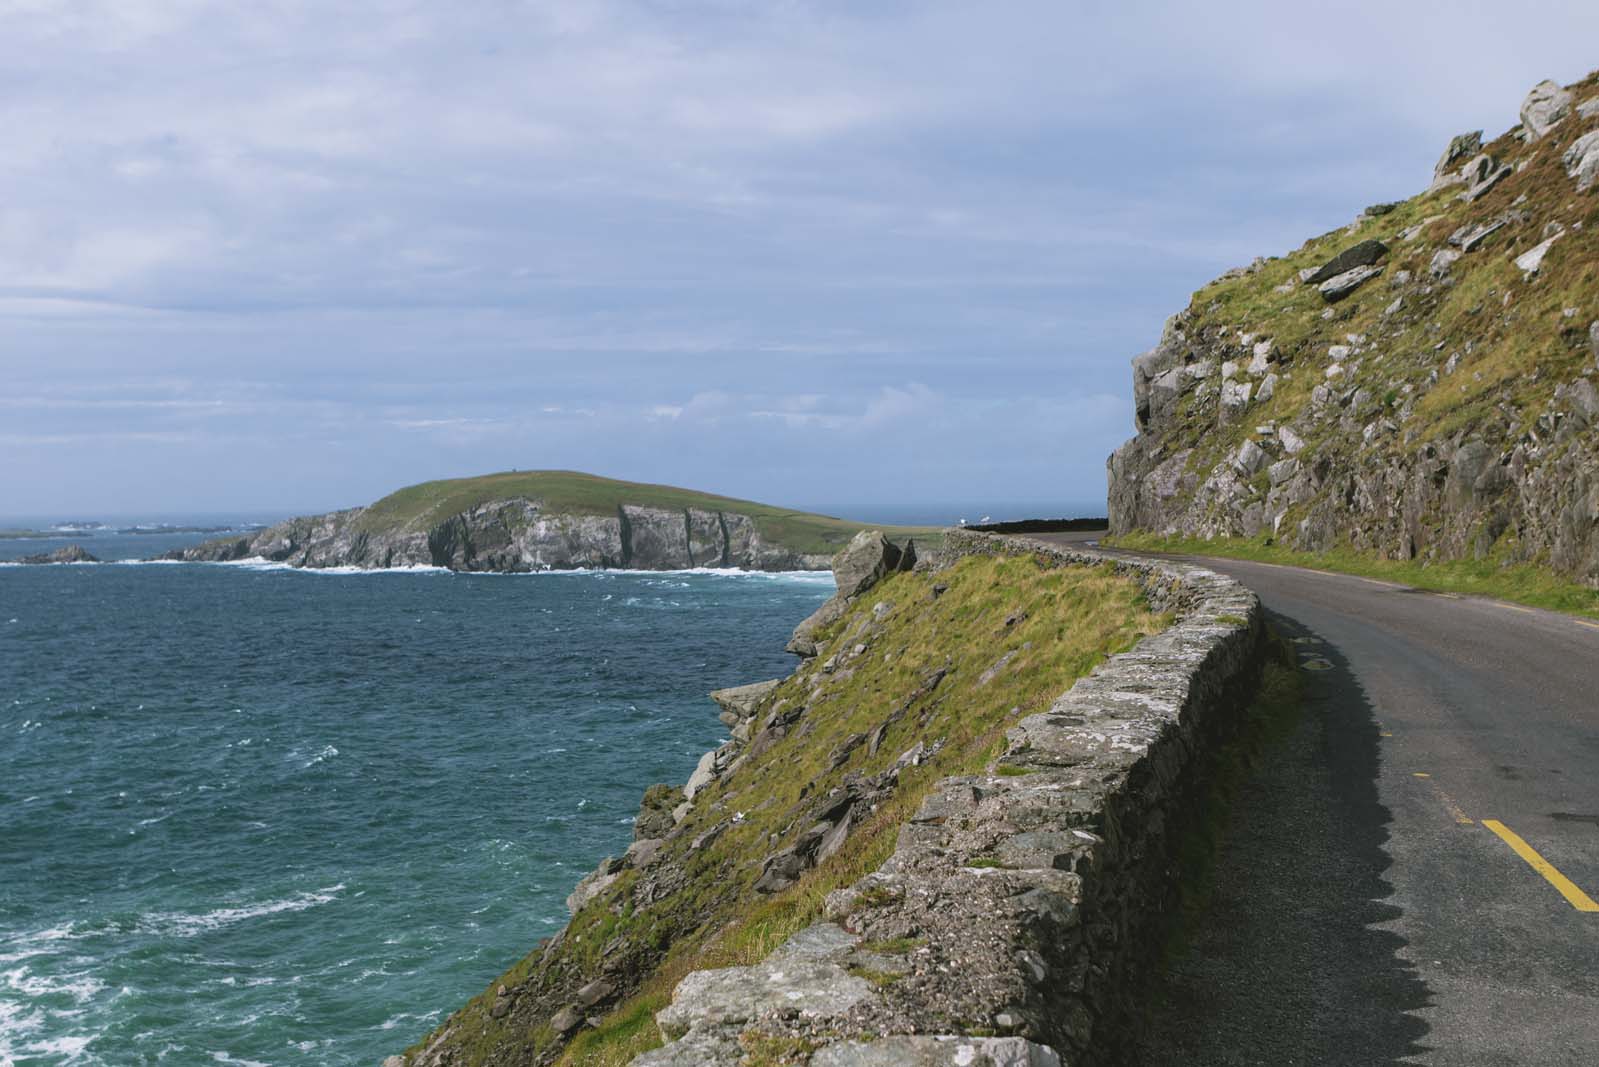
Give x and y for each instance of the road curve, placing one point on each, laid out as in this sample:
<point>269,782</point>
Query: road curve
<point>1404,876</point>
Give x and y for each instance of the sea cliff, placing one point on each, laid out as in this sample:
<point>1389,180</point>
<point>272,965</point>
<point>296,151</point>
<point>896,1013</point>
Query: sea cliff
<point>545,520</point>
<point>1419,385</point>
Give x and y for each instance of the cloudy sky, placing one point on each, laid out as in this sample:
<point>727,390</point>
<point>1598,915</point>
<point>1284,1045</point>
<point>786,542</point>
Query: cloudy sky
<point>868,256</point>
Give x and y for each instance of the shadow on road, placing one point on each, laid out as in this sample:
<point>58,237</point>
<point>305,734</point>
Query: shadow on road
<point>1288,963</point>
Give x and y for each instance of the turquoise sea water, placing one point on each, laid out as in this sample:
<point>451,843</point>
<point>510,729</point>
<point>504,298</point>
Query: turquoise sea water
<point>253,815</point>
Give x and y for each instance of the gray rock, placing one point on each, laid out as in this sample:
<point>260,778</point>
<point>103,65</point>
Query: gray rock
<point>1582,160</point>
<point>1363,254</point>
<point>1470,238</point>
<point>1250,458</point>
<point>1234,399</point>
<point>1282,470</point>
<point>1545,107</point>
<point>739,702</point>
<point>1292,443</point>
<point>864,562</point>
<point>1531,261</point>
<point>704,774</point>
<point>804,978</point>
<point>654,817</point>
<point>1268,388</point>
<point>1442,260</point>
<point>939,1051</point>
<point>69,554</point>
<point>1462,147</point>
<point>594,993</point>
<point>593,885</point>
<point>1482,174</point>
<point>566,1021</point>
<point>1339,286</point>
<point>1593,338</point>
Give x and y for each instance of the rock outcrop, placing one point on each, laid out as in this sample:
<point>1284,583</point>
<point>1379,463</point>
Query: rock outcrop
<point>1438,410</point>
<point>516,535</point>
<point>69,554</point>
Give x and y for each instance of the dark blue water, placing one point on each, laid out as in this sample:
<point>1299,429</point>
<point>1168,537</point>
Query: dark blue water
<point>277,817</point>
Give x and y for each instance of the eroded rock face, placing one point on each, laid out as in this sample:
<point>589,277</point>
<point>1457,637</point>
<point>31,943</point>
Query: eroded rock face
<point>518,535</point>
<point>1544,108</point>
<point>68,554</point>
<point>864,562</point>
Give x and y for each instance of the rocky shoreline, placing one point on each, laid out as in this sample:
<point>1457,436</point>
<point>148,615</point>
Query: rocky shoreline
<point>514,536</point>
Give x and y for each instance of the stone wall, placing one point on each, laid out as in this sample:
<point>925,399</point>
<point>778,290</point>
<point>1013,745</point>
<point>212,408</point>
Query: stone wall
<point>1019,914</point>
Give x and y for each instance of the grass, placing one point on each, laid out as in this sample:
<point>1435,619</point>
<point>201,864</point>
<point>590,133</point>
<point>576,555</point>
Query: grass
<point>1519,583</point>
<point>429,503</point>
<point>1510,336</point>
<point>1074,617</point>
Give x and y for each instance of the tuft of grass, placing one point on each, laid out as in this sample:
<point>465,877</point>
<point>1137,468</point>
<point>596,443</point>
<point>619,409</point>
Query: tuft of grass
<point>1519,583</point>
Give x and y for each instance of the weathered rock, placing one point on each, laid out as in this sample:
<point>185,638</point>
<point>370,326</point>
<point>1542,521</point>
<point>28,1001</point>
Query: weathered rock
<point>1291,441</point>
<point>1531,261</point>
<point>1482,174</point>
<point>864,562</point>
<point>567,1021</point>
<point>593,884</point>
<point>1582,160</point>
<point>1461,148</point>
<point>1363,254</point>
<point>68,554</point>
<point>942,1051</point>
<point>1234,399</point>
<point>742,701</point>
<point>1250,458</point>
<point>704,774</point>
<point>1544,108</point>
<point>1442,260</point>
<point>654,817</point>
<point>1268,388</point>
<point>595,992</point>
<point>1339,286</point>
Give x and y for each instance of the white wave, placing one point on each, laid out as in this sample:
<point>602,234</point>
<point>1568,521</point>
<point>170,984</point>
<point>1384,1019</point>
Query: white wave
<point>223,1057</point>
<point>80,987</point>
<point>179,924</point>
<point>327,752</point>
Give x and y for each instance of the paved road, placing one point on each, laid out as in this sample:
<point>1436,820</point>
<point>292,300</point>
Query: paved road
<point>1370,904</point>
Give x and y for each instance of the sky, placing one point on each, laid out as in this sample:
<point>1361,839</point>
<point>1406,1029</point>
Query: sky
<point>868,257</point>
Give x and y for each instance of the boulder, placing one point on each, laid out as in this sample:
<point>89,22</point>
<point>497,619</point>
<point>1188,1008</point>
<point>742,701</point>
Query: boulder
<point>938,1051</point>
<point>654,817</point>
<point>1292,443</point>
<point>1363,254</point>
<point>739,702</point>
<point>1482,174</point>
<point>1268,388</point>
<point>1250,458</point>
<point>1339,286</point>
<point>863,562</point>
<point>1531,260</point>
<point>704,774</point>
<point>1544,108</point>
<point>1234,399</point>
<point>1461,148</point>
<point>1588,109</point>
<point>1442,260</point>
<point>1582,160</point>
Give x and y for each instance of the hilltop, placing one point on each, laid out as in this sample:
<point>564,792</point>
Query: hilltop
<point>1418,385</point>
<point>543,520</point>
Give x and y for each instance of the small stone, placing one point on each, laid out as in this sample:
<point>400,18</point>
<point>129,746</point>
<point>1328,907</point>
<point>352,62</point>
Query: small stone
<point>1531,260</point>
<point>594,992</point>
<point>1442,260</point>
<point>1268,387</point>
<point>1582,160</point>
<point>1250,458</point>
<point>567,1020</point>
<point>1363,254</point>
<point>1292,443</point>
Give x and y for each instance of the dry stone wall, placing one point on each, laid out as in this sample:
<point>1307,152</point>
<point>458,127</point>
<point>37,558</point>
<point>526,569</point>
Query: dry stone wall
<point>1021,909</point>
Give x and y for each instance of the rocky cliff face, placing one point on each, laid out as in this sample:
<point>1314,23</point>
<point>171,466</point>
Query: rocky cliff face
<point>518,535</point>
<point>1420,384</point>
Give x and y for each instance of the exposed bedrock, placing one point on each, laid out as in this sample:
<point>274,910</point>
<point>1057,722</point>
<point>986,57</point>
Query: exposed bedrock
<point>518,535</point>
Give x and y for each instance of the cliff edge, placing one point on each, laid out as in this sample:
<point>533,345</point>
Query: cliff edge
<point>546,520</point>
<point>1420,384</point>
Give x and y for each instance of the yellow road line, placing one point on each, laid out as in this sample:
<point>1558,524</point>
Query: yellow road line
<point>1579,900</point>
<point>1589,625</point>
<point>1512,607</point>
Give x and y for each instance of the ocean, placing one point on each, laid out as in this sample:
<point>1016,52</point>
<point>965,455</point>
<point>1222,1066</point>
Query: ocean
<point>251,815</point>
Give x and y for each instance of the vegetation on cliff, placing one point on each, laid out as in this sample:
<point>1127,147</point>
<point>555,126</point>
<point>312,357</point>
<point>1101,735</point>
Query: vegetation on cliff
<point>1419,385</point>
<point>543,520</point>
<point>917,679</point>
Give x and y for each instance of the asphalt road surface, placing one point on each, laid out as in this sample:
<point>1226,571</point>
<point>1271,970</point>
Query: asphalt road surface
<point>1411,875</point>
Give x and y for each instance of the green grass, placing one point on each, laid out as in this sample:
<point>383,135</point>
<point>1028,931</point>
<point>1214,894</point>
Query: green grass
<point>429,503</point>
<point>1519,583</point>
<point>1073,618</point>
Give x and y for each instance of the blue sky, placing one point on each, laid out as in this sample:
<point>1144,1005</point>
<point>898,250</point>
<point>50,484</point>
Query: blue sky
<point>288,256</point>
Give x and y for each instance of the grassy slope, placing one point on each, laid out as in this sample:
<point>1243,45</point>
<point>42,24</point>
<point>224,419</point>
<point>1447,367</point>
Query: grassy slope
<point>1514,341</point>
<point>1075,616</point>
<point>1518,583</point>
<point>424,505</point>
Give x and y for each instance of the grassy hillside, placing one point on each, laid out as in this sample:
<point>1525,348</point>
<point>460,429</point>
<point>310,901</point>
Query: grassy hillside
<point>946,661</point>
<point>1513,336</point>
<point>424,505</point>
